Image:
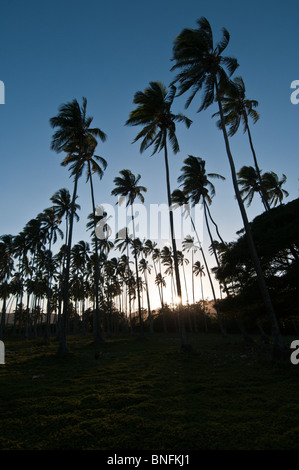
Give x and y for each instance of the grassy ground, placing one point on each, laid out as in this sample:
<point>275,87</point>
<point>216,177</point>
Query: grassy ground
<point>147,395</point>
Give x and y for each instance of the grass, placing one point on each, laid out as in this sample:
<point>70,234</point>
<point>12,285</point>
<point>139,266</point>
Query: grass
<point>147,395</point>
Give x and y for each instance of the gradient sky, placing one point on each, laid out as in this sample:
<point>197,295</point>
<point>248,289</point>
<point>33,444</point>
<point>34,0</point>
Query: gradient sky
<point>52,52</point>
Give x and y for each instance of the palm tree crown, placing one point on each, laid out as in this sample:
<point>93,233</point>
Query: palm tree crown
<point>237,108</point>
<point>195,182</point>
<point>126,185</point>
<point>273,187</point>
<point>73,127</point>
<point>202,64</point>
<point>154,113</point>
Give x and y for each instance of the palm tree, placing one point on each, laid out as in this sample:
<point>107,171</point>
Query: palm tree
<point>126,185</point>
<point>160,282</point>
<point>73,134</point>
<point>238,109</point>
<point>153,112</point>
<point>203,66</point>
<point>20,251</point>
<point>62,206</point>
<point>199,188</point>
<point>95,164</point>
<point>50,225</point>
<point>182,261</point>
<point>188,245</point>
<point>80,258</point>
<point>273,187</point>
<point>122,242</point>
<point>145,269</point>
<point>167,260</point>
<point>35,239</point>
<point>248,180</point>
<point>198,270</point>
<point>6,269</point>
<point>180,198</point>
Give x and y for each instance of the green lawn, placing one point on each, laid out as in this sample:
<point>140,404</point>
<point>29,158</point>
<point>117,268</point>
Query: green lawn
<point>147,395</point>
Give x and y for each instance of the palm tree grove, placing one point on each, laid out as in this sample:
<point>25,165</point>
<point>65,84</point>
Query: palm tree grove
<point>121,342</point>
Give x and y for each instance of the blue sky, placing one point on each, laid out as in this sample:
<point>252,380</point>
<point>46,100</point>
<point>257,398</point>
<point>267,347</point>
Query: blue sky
<point>52,52</point>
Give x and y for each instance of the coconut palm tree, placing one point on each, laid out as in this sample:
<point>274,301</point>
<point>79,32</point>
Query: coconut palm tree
<point>73,136</point>
<point>6,270</point>
<point>238,109</point>
<point>156,256</point>
<point>273,187</point>
<point>122,242</point>
<point>188,245</point>
<point>35,239</point>
<point>203,66</point>
<point>182,262</point>
<point>249,183</point>
<point>50,225</point>
<point>154,113</point>
<point>198,187</point>
<point>198,270</point>
<point>160,282</point>
<point>127,186</point>
<point>62,205</point>
<point>20,251</point>
<point>145,269</point>
<point>95,165</point>
<point>180,198</point>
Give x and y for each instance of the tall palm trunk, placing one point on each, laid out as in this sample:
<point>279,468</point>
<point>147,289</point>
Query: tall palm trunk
<point>209,232</point>
<point>262,190</point>
<point>212,242</point>
<point>214,223</point>
<point>98,331</point>
<point>279,346</point>
<point>185,342</point>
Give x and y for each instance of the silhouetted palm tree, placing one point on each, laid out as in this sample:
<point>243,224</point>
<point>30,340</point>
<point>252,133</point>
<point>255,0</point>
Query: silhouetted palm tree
<point>188,245</point>
<point>73,136</point>
<point>249,183</point>
<point>180,198</point>
<point>273,187</point>
<point>198,270</point>
<point>62,206</point>
<point>6,269</point>
<point>238,109</point>
<point>198,188</point>
<point>145,268</point>
<point>153,112</point>
<point>127,186</point>
<point>122,242</point>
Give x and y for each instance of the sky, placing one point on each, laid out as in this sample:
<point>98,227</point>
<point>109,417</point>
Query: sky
<point>54,51</point>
